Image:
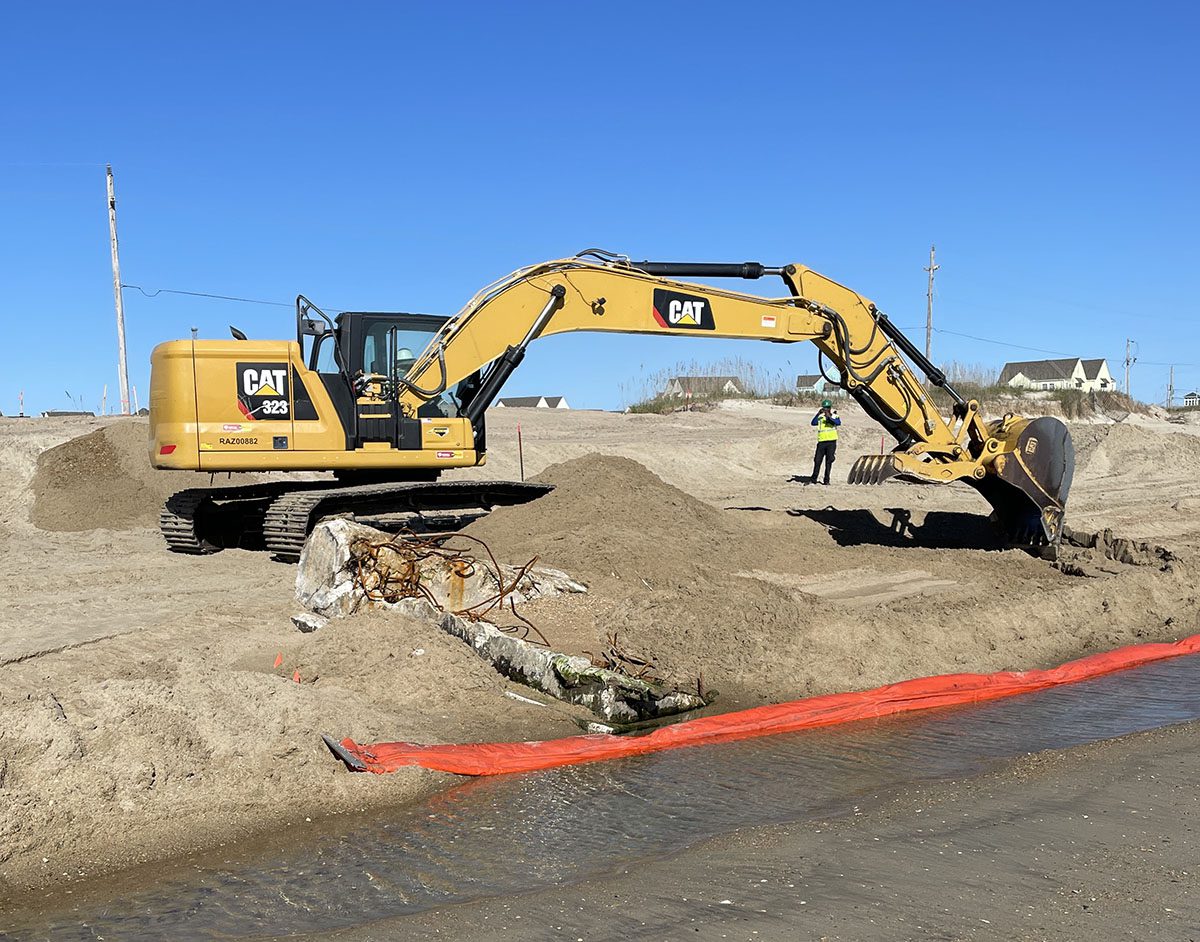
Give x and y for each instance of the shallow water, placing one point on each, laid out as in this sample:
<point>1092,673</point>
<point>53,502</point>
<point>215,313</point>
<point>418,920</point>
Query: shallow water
<point>503,835</point>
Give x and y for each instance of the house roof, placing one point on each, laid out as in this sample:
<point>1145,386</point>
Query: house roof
<point>703,385</point>
<point>554,401</point>
<point>808,379</point>
<point>1039,369</point>
<point>1192,395</point>
<point>1091,368</point>
<point>520,401</point>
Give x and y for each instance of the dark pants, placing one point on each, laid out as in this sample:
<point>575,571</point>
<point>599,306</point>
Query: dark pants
<point>825,452</point>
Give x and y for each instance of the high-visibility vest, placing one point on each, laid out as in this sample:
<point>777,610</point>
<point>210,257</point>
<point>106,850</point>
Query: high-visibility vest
<point>826,430</point>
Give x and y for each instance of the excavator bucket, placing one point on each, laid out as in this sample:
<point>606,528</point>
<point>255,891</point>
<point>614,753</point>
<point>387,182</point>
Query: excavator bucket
<point>1027,482</point>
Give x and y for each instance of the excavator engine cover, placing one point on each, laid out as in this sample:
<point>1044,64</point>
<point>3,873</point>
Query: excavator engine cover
<point>1028,482</point>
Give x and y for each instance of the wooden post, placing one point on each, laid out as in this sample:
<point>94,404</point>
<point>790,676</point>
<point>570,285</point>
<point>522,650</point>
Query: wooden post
<point>122,366</point>
<point>520,451</point>
<point>1130,359</point>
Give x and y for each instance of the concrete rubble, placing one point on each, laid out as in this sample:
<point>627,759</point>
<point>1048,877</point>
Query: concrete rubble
<point>346,566</point>
<point>308,622</point>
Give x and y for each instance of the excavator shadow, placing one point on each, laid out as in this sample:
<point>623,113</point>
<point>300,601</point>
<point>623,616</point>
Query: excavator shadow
<point>938,529</point>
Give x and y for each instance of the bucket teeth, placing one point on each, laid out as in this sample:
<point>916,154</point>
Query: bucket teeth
<point>873,469</point>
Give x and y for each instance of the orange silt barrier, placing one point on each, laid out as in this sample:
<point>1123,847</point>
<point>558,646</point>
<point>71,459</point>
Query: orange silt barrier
<point>907,696</point>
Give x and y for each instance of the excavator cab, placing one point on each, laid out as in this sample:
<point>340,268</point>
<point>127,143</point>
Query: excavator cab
<point>362,358</point>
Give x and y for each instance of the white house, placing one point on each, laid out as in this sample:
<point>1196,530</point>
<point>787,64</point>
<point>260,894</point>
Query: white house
<point>1192,399</point>
<point>815,383</point>
<point>1071,373</point>
<point>687,387</point>
<point>533,402</point>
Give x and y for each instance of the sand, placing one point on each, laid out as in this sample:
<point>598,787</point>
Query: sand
<point>103,480</point>
<point>141,714</point>
<point>768,606</point>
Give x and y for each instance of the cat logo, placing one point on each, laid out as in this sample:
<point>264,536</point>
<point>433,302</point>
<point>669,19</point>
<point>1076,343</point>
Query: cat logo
<point>441,431</point>
<point>264,382</point>
<point>687,311</point>
<point>263,391</point>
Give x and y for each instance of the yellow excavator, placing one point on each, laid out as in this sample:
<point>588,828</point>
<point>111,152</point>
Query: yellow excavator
<point>387,401</point>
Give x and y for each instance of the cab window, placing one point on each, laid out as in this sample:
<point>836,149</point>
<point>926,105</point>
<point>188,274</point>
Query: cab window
<point>327,354</point>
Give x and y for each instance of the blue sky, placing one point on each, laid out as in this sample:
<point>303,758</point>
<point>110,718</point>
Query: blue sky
<point>398,157</point>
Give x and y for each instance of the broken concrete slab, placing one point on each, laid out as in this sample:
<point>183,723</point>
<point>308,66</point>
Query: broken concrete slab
<point>309,622</point>
<point>570,678</point>
<point>346,565</point>
<point>1107,546</point>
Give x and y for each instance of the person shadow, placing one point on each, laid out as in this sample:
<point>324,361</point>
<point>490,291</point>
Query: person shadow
<point>938,530</point>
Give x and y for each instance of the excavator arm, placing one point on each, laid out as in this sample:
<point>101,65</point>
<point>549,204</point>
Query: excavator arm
<point>1023,467</point>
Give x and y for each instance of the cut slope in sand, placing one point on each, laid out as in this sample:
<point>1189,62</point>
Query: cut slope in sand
<point>144,745</point>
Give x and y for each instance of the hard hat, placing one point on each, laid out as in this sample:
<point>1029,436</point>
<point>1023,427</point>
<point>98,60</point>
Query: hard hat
<point>826,404</point>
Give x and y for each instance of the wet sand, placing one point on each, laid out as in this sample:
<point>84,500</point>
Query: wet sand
<point>1096,842</point>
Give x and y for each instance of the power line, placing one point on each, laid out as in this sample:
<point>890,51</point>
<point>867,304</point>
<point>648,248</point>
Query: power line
<point>1002,343</point>
<point>1060,353</point>
<point>155,292</point>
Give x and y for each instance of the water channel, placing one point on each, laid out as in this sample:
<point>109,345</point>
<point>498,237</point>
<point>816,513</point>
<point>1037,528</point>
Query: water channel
<point>509,834</point>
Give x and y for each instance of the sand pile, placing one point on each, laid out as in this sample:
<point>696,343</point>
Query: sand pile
<point>611,518</point>
<point>1125,448</point>
<point>662,566</point>
<point>103,480</point>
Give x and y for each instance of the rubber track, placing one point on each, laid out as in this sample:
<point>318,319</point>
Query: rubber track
<point>291,517</point>
<point>296,507</point>
<point>177,519</point>
<point>176,522</point>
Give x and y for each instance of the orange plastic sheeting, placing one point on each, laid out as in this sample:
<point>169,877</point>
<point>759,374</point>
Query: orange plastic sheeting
<point>904,697</point>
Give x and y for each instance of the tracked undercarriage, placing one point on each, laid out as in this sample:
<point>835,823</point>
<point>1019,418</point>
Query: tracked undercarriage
<point>278,516</point>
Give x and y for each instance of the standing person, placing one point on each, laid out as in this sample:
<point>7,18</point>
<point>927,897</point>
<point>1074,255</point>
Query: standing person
<point>827,422</point>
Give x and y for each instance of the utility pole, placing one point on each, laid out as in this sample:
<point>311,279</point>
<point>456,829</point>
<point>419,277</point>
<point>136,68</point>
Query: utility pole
<point>1171,388</point>
<point>929,304</point>
<point>1130,359</point>
<point>122,367</point>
